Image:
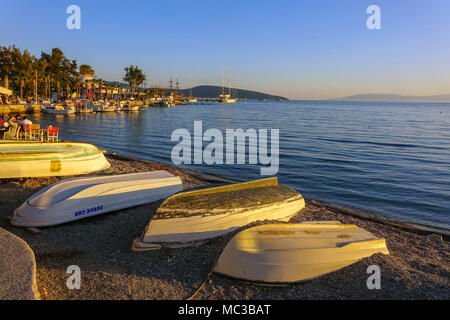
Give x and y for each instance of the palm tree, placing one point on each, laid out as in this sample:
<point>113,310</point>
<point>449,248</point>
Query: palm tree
<point>86,70</point>
<point>6,64</point>
<point>134,76</point>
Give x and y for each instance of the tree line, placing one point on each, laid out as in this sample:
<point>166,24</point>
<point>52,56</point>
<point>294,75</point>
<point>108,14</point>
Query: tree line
<point>54,73</point>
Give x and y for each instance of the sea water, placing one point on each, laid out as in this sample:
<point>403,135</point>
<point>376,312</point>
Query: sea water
<point>390,159</point>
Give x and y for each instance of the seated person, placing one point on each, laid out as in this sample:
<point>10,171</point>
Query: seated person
<point>12,131</point>
<point>24,124</point>
<point>19,124</point>
<point>25,121</point>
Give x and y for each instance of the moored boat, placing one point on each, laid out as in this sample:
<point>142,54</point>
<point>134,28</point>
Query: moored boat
<point>32,159</point>
<point>194,216</point>
<point>285,253</point>
<point>57,110</point>
<point>79,198</point>
<point>105,107</point>
<point>128,107</point>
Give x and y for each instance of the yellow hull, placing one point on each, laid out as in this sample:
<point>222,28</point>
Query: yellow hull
<point>20,160</point>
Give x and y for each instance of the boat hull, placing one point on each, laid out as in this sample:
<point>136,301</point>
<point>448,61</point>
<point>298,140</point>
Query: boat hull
<point>193,216</point>
<point>25,160</point>
<point>79,198</point>
<point>286,253</point>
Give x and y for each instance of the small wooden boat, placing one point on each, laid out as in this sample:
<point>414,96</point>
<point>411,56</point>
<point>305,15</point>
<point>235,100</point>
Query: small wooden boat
<point>285,253</point>
<point>194,216</point>
<point>78,198</point>
<point>32,159</point>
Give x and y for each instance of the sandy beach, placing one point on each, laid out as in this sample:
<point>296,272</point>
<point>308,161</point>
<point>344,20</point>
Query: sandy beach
<point>417,267</point>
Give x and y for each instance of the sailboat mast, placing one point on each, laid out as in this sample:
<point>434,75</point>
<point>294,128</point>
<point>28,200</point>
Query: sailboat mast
<point>223,83</point>
<point>229,80</point>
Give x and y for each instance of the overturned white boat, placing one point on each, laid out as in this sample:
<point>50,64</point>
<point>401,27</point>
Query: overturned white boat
<point>78,198</point>
<point>192,217</point>
<point>286,253</point>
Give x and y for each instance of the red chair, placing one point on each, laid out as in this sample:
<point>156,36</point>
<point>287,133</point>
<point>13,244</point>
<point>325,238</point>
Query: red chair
<point>27,132</point>
<point>2,129</point>
<point>52,134</point>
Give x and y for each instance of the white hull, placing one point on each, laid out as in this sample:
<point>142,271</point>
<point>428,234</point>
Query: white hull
<point>198,215</point>
<point>57,111</point>
<point>79,198</point>
<point>285,253</point>
<point>133,108</point>
<point>102,108</point>
<point>229,100</point>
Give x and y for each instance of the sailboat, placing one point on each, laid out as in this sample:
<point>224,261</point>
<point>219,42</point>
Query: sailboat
<point>226,98</point>
<point>191,98</point>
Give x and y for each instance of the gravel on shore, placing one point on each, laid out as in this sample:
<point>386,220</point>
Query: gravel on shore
<point>417,267</point>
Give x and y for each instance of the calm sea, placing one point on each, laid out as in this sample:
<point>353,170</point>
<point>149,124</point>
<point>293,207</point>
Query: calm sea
<point>389,159</point>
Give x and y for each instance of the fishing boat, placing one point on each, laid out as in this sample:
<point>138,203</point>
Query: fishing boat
<point>125,105</point>
<point>32,159</point>
<point>57,110</point>
<point>83,109</point>
<point>286,253</point>
<point>128,107</point>
<point>191,217</point>
<point>79,198</point>
<point>105,107</point>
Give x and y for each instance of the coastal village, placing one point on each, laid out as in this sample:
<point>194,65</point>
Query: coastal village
<point>143,230</point>
<point>53,84</point>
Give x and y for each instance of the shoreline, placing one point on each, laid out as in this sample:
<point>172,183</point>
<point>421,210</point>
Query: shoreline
<point>373,216</point>
<point>417,267</point>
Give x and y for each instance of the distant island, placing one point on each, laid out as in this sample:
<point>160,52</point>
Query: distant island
<point>380,97</point>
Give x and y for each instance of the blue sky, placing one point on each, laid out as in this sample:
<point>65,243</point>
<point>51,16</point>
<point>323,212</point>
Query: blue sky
<point>299,49</point>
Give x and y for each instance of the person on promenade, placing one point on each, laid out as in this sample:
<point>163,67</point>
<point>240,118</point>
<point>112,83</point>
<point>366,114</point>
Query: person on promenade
<point>12,131</point>
<point>25,121</point>
<point>4,99</point>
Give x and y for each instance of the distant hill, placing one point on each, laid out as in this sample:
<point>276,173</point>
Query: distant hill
<point>214,91</point>
<point>379,97</point>
<point>116,83</point>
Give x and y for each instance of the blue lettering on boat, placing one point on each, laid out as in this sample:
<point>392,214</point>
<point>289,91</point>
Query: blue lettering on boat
<point>88,211</point>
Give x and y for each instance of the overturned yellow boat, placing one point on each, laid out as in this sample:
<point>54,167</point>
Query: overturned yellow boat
<point>193,216</point>
<point>286,253</point>
<point>23,160</point>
